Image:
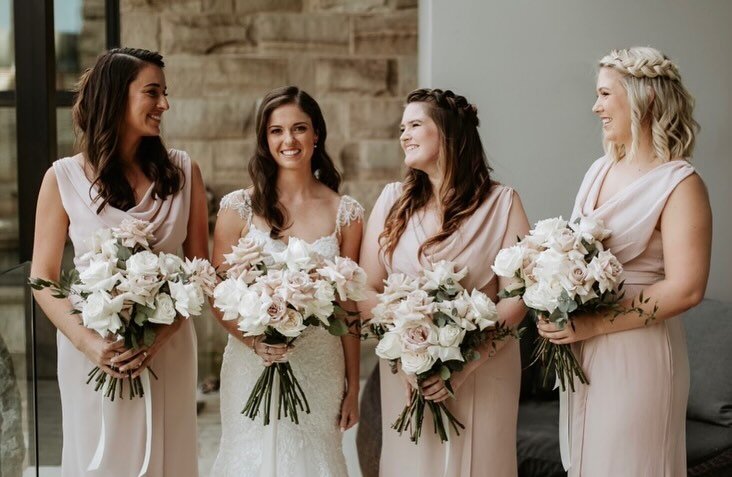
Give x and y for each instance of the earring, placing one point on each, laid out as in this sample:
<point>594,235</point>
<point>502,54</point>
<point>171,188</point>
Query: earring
<point>315,146</point>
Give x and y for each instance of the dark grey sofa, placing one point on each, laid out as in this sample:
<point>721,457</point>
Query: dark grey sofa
<point>709,413</point>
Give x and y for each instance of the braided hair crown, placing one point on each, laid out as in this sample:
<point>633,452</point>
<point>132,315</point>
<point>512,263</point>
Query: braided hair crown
<point>449,101</point>
<point>641,62</point>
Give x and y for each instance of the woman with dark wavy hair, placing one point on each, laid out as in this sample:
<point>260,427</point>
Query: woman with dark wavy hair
<point>122,171</point>
<point>448,208</point>
<point>294,194</point>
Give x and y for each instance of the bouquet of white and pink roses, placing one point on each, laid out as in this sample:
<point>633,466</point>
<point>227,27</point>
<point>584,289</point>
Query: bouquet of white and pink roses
<point>276,296</point>
<point>123,290</point>
<point>562,269</point>
<point>430,325</point>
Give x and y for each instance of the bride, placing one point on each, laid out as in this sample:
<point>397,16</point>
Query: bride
<point>294,194</point>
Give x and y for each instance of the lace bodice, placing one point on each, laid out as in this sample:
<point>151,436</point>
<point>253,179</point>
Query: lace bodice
<point>328,246</point>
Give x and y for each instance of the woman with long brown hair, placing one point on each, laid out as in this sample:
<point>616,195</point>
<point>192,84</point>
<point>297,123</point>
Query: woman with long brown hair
<point>122,171</point>
<point>294,194</point>
<point>449,208</point>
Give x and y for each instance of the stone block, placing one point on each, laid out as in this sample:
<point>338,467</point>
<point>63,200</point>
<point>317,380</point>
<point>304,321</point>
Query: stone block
<point>386,33</point>
<point>93,9</point>
<point>204,34</point>
<point>356,77</point>
<point>210,118</point>
<point>407,74</point>
<point>258,6</point>
<point>336,118</point>
<point>349,5</point>
<point>217,6</point>
<point>200,151</point>
<point>91,41</point>
<point>141,30</point>
<point>301,72</point>
<point>195,76</point>
<point>292,32</point>
<point>372,160</point>
<point>179,6</point>
<point>375,118</point>
<point>402,4</point>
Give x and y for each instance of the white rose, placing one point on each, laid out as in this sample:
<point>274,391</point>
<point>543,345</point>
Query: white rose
<point>443,274</point>
<point>484,310</point>
<point>187,297</point>
<point>274,307</point>
<point>398,285</point>
<point>297,288</point>
<point>418,336</point>
<point>99,238</point>
<point>141,288</point>
<point>606,269</point>
<point>543,296</point>
<point>170,265</point>
<point>550,265</point>
<point>202,273</point>
<point>143,263</point>
<point>547,227</point>
<point>414,307</point>
<point>390,346</point>
<point>133,232</point>
<point>451,335</point>
<point>459,309</point>
<point>227,295</point>
<point>509,261</point>
<point>590,230</point>
<point>348,278</point>
<point>164,310</point>
<point>321,306</point>
<point>446,353</point>
<point>100,313</point>
<point>296,256</point>
<point>100,274</point>
<point>383,314</point>
<point>562,240</point>
<point>250,307</point>
<point>417,363</point>
<point>292,324</point>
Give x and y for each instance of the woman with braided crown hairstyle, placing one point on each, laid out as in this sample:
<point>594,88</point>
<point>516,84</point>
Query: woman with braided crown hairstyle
<point>122,171</point>
<point>630,420</point>
<point>448,208</point>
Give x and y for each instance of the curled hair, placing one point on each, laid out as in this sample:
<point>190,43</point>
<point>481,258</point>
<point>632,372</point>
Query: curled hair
<point>98,115</point>
<point>263,168</point>
<point>657,98</point>
<point>466,175</point>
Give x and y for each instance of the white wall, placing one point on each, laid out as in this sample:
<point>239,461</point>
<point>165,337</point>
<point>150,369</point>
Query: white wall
<point>530,67</point>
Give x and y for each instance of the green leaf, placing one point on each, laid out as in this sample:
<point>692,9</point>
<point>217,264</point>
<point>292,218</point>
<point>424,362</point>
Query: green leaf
<point>123,253</point>
<point>148,337</point>
<point>140,318</point>
<point>337,328</point>
<point>444,373</point>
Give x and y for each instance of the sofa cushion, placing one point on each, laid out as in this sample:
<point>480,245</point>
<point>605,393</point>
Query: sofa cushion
<point>708,333</point>
<point>538,440</point>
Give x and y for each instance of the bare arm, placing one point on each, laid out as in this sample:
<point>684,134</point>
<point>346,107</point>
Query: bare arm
<point>686,228</point>
<point>350,245</point>
<point>52,224</point>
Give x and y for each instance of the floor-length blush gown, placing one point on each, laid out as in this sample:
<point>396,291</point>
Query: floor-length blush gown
<point>487,403</point>
<point>630,420</point>
<point>174,447</point>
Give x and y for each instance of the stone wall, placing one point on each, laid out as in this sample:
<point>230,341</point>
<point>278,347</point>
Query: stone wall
<point>358,58</point>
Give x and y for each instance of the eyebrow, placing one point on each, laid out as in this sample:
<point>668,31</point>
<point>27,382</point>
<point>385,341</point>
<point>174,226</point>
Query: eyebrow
<point>296,124</point>
<point>153,84</point>
<point>410,121</point>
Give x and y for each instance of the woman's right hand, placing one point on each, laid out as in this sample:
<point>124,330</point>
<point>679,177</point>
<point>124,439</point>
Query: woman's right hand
<point>100,351</point>
<point>270,353</point>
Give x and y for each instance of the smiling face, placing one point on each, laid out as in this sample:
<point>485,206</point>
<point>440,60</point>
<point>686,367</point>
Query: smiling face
<point>146,102</point>
<point>612,106</point>
<point>291,137</point>
<point>420,139</point>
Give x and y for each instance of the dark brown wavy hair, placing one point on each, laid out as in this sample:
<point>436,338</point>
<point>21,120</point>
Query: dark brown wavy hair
<point>98,114</point>
<point>466,182</point>
<point>263,168</point>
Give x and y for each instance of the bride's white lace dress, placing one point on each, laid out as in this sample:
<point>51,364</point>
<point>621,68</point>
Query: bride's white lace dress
<point>283,449</point>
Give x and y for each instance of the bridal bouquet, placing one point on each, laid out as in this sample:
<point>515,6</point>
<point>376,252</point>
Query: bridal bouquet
<point>123,290</point>
<point>276,297</point>
<point>430,325</point>
<point>561,269</point>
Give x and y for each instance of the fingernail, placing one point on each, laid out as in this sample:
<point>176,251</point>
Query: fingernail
<point>343,429</point>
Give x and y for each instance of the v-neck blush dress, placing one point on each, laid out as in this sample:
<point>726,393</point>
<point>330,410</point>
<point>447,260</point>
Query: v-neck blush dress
<point>630,420</point>
<point>174,438</point>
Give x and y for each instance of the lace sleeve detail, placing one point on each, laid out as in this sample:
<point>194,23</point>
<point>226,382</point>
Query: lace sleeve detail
<point>240,202</point>
<point>349,210</point>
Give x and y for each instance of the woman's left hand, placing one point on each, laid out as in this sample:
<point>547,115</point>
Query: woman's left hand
<point>349,410</point>
<point>434,389</point>
<point>579,328</point>
<point>140,358</point>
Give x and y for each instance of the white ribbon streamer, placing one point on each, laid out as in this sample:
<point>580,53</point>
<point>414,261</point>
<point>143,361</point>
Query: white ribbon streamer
<point>446,423</point>
<point>564,431</point>
<point>99,453</point>
<point>145,378</point>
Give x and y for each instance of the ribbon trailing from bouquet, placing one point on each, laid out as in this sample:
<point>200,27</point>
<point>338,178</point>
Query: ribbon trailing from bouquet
<point>448,445</point>
<point>101,445</point>
<point>564,431</point>
<point>269,451</point>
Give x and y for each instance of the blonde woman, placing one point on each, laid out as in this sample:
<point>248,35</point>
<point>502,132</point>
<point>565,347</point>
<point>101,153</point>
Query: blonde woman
<point>630,420</point>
